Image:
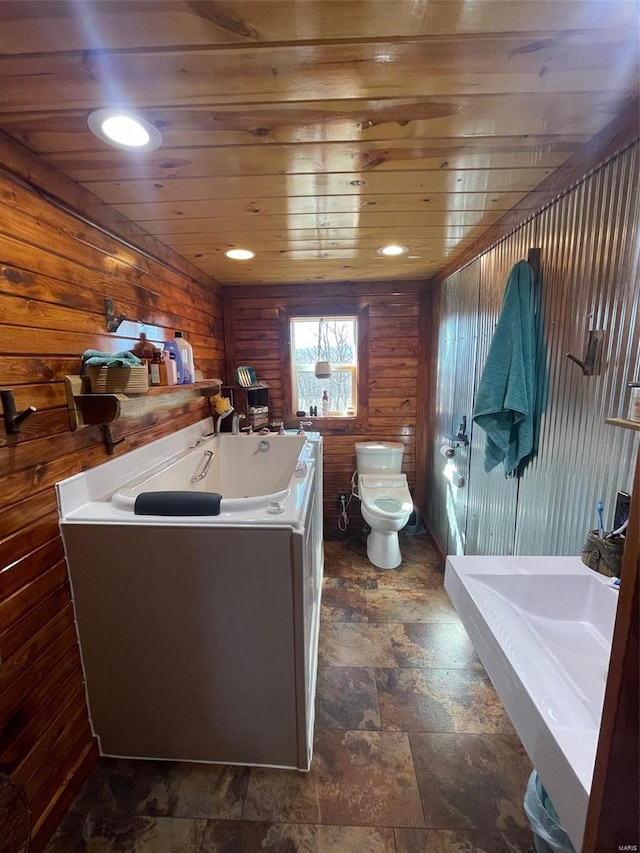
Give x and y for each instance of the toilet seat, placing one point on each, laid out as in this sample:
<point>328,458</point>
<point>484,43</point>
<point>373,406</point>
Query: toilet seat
<point>386,497</point>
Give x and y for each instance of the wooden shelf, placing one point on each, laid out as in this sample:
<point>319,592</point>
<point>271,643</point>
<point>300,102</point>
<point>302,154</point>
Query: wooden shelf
<point>207,387</point>
<point>103,409</point>
<point>624,423</point>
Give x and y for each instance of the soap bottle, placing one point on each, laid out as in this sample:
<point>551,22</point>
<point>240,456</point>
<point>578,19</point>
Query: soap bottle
<point>174,354</point>
<point>186,354</point>
<point>325,403</point>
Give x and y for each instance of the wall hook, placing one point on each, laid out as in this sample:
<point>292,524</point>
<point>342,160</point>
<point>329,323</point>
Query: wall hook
<point>534,259</point>
<point>113,320</point>
<point>12,419</point>
<point>591,364</point>
<point>461,436</point>
<point>109,442</point>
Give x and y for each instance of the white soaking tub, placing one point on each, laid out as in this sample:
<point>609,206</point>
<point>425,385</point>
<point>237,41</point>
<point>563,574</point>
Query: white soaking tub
<point>199,633</point>
<point>249,472</point>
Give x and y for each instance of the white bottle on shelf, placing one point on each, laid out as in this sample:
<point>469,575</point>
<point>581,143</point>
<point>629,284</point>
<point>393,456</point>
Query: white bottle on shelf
<point>186,355</point>
<point>325,403</point>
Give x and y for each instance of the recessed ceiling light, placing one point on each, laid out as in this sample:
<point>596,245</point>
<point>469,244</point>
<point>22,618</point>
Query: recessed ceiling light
<point>124,130</point>
<point>240,254</point>
<point>390,251</point>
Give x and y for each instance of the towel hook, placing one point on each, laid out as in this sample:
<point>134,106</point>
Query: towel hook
<point>113,320</point>
<point>461,437</point>
<point>591,363</point>
<point>534,259</point>
<point>12,419</point>
<point>109,442</point>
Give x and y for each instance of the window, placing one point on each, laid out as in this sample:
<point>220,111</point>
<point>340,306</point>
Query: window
<point>332,339</point>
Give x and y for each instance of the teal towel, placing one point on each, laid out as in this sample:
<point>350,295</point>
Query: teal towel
<point>505,400</point>
<point>95,358</point>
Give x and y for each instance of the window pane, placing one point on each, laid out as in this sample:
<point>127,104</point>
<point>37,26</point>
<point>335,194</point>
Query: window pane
<point>331,339</point>
<point>340,388</point>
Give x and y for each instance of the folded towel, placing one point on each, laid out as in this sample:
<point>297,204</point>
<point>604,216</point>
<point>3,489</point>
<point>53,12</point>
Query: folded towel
<point>505,401</point>
<point>94,358</point>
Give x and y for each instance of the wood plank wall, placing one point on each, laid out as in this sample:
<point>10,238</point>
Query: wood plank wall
<point>399,315</point>
<point>55,271</point>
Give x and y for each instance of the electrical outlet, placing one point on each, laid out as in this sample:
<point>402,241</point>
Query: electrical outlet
<point>341,500</point>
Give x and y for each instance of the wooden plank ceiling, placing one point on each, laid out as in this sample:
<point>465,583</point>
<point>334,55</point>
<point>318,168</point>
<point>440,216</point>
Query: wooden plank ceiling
<point>446,112</point>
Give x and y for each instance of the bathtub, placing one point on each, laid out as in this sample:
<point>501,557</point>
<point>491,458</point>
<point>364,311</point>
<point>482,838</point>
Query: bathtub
<point>199,634</point>
<point>252,473</point>
<point>260,485</point>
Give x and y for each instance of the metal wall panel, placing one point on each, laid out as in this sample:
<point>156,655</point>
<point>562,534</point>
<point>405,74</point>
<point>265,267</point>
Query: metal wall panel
<point>590,244</point>
<point>590,241</point>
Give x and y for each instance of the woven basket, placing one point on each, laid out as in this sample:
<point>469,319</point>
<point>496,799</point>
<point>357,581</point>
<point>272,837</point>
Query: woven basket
<point>118,380</point>
<point>603,555</point>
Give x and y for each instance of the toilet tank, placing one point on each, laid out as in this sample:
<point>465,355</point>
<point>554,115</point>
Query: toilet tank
<point>375,456</point>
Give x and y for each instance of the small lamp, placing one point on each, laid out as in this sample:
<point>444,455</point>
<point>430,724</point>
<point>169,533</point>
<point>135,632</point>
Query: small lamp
<point>322,370</point>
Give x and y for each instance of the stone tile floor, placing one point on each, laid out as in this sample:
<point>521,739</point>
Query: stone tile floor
<point>413,751</point>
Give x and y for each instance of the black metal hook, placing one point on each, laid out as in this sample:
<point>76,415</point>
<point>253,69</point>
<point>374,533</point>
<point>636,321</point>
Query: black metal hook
<point>534,259</point>
<point>461,437</point>
<point>12,419</point>
<point>109,442</point>
<point>591,363</point>
<point>113,320</point>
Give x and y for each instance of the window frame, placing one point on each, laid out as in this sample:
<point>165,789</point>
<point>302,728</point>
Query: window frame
<point>350,368</point>
<point>341,423</point>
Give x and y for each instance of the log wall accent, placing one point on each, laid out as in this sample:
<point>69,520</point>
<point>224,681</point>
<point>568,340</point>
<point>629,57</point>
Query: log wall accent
<point>55,270</point>
<point>398,317</point>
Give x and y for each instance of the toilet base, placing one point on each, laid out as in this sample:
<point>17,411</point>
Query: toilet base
<point>383,549</point>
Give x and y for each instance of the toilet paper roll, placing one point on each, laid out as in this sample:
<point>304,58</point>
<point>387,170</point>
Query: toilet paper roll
<point>447,451</point>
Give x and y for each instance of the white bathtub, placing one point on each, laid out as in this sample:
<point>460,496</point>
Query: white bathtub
<point>258,487</point>
<point>199,634</point>
<point>251,472</point>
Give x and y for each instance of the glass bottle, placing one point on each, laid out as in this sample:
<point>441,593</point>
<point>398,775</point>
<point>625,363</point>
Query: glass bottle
<point>157,369</point>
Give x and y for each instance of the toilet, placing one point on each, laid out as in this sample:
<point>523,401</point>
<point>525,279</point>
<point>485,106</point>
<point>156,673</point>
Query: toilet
<point>386,502</point>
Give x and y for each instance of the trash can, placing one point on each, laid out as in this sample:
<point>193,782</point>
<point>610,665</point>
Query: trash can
<point>548,835</point>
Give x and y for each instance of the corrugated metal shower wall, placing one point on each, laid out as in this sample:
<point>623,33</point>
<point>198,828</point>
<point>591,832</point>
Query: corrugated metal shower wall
<point>590,248</point>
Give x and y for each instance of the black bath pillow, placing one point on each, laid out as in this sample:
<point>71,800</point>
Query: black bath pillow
<point>177,503</point>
